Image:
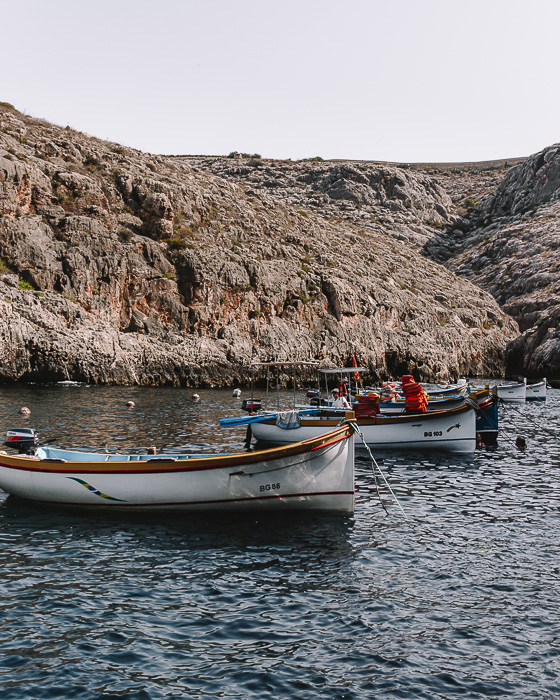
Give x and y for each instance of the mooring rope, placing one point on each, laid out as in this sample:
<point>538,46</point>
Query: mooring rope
<point>541,427</point>
<point>373,462</point>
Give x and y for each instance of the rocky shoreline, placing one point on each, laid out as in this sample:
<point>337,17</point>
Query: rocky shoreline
<point>122,267</point>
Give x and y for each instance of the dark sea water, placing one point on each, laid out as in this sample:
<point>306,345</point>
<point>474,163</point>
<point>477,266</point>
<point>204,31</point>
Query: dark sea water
<point>457,598</point>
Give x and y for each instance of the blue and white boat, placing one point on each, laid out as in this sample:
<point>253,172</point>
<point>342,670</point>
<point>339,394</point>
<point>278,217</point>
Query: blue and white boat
<point>536,391</point>
<point>512,393</point>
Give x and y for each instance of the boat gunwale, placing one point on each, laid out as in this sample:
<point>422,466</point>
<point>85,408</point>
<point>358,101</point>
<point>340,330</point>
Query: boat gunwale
<point>384,418</point>
<point>477,395</point>
<point>191,464</point>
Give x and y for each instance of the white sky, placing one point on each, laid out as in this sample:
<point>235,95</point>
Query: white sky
<point>397,80</point>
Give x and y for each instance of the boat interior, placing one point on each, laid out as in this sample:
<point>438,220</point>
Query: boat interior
<point>54,453</point>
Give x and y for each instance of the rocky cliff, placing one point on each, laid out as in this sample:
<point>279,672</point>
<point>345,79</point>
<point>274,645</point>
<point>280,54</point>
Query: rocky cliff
<point>120,266</point>
<point>509,245</point>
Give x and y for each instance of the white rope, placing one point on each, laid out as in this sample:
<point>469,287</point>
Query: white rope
<point>527,418</point>
<point>373,462</point>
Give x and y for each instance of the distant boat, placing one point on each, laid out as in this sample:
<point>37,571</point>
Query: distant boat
<point>537,391</point>
<point>512,393</point>
<point>316,474</point>
<point>236,392</point>
<point>436,402</point>
<point>452,430</point>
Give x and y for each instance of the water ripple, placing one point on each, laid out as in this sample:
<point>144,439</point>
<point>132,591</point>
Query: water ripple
<point>458,598</point>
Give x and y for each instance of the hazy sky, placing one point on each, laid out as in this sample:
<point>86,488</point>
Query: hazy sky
<point>397,80</point>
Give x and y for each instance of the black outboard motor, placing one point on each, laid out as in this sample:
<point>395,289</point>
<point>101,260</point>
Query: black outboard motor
<point>24,440</point>
<point>251,405</point>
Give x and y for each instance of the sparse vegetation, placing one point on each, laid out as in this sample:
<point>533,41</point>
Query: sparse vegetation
<point>240,288</point>
<point>176,243</point>
<point>91,162</point>
<point>125,235</point>
<point>22,284</point>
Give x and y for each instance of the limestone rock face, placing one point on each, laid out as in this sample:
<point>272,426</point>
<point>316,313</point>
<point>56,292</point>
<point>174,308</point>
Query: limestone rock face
<point>509,246</point>
<point>526,187</point>
<point>123,267</point>
<point>536,352</point>
<point>407,204</point>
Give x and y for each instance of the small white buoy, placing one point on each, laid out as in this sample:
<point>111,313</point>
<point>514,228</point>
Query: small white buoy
<point>24,409</point>
<point>130,403</point>
<point>236,392</point>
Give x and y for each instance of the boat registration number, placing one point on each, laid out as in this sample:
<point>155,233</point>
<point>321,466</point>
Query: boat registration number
<point>433,433</point>
<point>270,487</point>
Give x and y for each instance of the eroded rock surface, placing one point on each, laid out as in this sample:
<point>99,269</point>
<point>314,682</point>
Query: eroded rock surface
<point>125,267</point>
<point>509,246</point>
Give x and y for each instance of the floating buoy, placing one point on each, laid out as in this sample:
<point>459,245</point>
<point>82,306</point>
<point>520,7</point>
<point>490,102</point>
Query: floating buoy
<point>236,392</point>
<point>130,403</point>
<point>24,410</point>
<point>520,443</point>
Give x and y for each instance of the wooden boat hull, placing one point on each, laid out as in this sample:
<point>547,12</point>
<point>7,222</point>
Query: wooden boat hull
<point>536,392</point>
<point>435,403</point>
<point>512,393</point>
<point>313,475</point>
<point>452,431</point>
<point>447,391</point>
<point>487,421</point>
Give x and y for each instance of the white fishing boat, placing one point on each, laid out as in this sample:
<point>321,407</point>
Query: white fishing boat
<point>512,393</point>
<point>536,391</point>
<point>435,403</point>
<point>452,430</point>
<point>449,388</point>
<point>315,474</point>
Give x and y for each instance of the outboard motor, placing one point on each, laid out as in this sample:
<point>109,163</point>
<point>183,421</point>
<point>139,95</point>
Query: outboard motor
<point>251,405</point>
<point>24,440</point>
